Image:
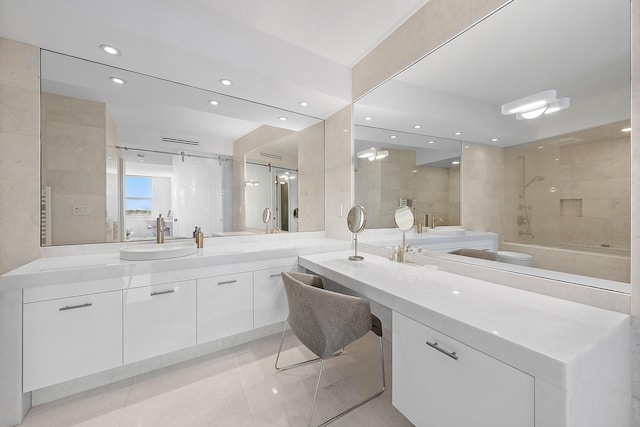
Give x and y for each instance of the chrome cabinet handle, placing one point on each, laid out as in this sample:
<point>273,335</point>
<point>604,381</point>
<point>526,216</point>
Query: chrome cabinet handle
<point>168,291</point>
<point>73,307</point>
<point>227,282</point>
<point>435,345</point>
<point>275,275</point>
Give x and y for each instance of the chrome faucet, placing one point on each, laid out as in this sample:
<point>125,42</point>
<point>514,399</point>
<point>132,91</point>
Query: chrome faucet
<point>159,229</point>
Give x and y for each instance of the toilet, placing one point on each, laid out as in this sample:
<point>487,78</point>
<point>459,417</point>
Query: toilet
<point>515,258</point>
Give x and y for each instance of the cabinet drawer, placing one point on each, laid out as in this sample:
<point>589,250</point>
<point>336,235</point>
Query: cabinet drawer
<point>439,381</point>
<point>269,298</point>
<point>225,306</point>
<point>72,337</point>
<point>159,319</point>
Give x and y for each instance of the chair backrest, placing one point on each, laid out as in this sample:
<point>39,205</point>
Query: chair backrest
<point>324,321</point>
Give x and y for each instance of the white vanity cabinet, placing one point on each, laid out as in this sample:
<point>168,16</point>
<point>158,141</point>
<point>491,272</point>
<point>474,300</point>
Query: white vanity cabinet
<point>159,319</point>
<point>71,337</point>
<point>269,298</point>
<point>225,306</point>
<point>439,381</point>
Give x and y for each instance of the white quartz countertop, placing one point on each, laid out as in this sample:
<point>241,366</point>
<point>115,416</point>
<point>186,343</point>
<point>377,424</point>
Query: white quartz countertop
<point>52,270</point>
<point>538,334</point>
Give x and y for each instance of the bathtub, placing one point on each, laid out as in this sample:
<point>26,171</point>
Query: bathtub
<point>602,263</point>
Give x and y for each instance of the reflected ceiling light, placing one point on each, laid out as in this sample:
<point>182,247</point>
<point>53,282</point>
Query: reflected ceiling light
<point>213,102</point>
<point>494,140</point>
<point>455,162</point>
<point>415,170</point>
<point>534,106</point>
<point>251,183</point>
<point>625,130</point>
<point>226,82</point>
<point>117,80</point>
<point>372,154</point>
<point>417,126</point>
<point>458,133</point>
<point>303,104</point>
<point>368,118</point>
<point>283,118</point>
<point>432,142</point>
<point>111,50</point>
<point>393,137</point>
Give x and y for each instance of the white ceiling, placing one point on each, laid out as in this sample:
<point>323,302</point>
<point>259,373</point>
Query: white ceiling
<point>277,52</point>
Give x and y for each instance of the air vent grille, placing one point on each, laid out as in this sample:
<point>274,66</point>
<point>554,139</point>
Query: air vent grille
<point>271,156</point>
<point>179,141</point>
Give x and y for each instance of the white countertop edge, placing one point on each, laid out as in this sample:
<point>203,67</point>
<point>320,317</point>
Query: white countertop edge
<point>523,351</point>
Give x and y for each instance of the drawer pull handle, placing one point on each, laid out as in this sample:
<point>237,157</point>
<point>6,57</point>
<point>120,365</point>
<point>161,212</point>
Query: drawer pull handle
<point>168,291</point>
<point>275,275</point>
<point>73,307</point>
<point>227,282</point>
<point>435,345</point>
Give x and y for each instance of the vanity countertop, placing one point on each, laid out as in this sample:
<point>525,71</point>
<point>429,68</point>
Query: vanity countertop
<point>538,334</point>
<point>72,266</point>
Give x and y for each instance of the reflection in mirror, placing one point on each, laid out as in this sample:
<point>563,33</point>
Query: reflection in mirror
<point>115,156</point>
<point>266,217</point>
<point>356,221</point>
<point>420,171</point>
<point>554,186</point>
<point>404,220</point>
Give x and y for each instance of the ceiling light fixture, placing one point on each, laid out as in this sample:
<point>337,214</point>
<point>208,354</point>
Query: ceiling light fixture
<point>111,50</point>
<point>534,106</point>
<point>393,137</point>
<point>455,162</point>
<point>494,140</point>
<point>283,118</point>
<point>303,104</point>
<point>432,142</point>
<point>368,118</point>
<point>226,82</point>
<point>372,154</point>
<point>625,130</point>
<point>417,126</point>
<point>458,133</point>
<point>117,80</point>
<point>213,102</point>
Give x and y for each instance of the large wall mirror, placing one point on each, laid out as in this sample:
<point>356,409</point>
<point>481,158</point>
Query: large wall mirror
<point>560,176</point>
<point>120,148</point>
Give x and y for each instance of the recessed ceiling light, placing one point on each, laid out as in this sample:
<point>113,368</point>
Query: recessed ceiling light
<point>415,170</point>
<point>303,104</point>
<point>213,102</point>
<point>625,130</point>
<point>368,118</point>
<point>226,82</point>
<point>431,142</point>
<point>455,162</point>
<point>494,140</point>
<point>111,50</point>
<point>283,118</point>
<point>393,137</point>
<point>117,80</point>
<point>417,126</point>
<point>458,133</point>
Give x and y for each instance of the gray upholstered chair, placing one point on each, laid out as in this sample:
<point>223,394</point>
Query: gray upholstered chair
<point>325,322</point>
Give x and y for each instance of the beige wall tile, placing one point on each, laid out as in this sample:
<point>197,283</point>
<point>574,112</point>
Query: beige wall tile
<point>311,178</point>
<point>19,65</point>
<point>338,173</point>
<point>17,112</point>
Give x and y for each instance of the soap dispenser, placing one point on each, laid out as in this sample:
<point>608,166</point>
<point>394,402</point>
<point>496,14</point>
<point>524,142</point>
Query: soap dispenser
<point>199,238</point>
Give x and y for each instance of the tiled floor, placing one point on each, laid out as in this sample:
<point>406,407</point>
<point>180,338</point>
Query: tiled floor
<point>237,388</point>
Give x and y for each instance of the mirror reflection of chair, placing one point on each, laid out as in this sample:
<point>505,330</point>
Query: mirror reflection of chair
<point>325,322</point>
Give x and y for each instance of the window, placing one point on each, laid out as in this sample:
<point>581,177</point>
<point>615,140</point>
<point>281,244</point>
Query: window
<point>137,195</point>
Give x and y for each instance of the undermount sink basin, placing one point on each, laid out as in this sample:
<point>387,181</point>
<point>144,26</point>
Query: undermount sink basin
<point>447,230</point>
<point>152,251</point>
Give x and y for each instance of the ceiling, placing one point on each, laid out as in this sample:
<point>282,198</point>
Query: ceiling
<point>581,49</point>
<point>277,52</point>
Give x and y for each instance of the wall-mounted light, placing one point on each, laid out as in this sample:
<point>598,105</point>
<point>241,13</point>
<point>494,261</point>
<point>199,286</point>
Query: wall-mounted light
<point>372,154</point>
<point>534,106</point>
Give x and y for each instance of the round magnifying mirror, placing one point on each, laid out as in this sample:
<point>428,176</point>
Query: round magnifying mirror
<point>404,218</point>
<point>266,215</point>
<point>356,219</point>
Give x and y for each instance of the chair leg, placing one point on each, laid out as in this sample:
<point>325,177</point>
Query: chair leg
<point>357,405</point>
<point>315,395</point>
<point>295,365</point>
